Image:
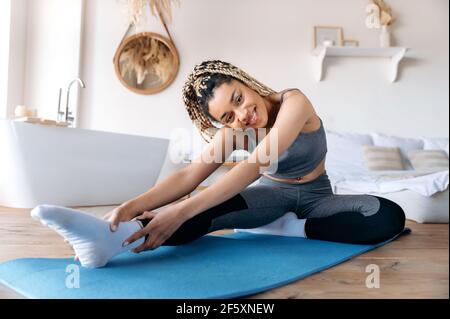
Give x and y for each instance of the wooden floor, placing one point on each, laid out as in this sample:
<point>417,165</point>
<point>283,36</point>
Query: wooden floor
<point>413,266</point>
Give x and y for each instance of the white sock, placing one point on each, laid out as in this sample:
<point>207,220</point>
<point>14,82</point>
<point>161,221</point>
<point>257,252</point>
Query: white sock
<point>90,236</point>
<point>286,225</point>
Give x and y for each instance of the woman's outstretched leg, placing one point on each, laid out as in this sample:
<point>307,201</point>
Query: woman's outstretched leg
<point>90,237</point>
<point>255,206</point>
<point>95,244</point>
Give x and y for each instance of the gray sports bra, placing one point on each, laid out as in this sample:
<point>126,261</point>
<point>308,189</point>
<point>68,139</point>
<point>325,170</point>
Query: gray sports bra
<point>301,157</point>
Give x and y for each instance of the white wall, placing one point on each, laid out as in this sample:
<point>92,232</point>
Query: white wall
<point>272,40</point>
<point>15,72</point>
<point>40,53</point>
<point>5,20</point>
<point>53,53</point>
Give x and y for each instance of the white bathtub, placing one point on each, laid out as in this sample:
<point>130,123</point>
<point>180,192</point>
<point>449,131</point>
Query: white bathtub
<point>42,164</point>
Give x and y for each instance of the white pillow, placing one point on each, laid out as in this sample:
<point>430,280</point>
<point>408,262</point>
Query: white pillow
<point>430,160</point>
<point>344,152</point>
<point>404,143</point>
<point>433,143</point>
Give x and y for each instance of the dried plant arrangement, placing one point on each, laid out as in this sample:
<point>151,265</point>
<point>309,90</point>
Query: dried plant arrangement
<point>136,8</point>
<point>146,60</point>
<point>386,17</point>
<point>145,56</point>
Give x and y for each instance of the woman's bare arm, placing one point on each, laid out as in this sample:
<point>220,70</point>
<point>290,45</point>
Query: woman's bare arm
<point>183,181</point>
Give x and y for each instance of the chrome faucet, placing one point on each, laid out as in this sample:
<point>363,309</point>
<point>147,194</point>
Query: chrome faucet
<point>68,115</point>
<point>60,113</point>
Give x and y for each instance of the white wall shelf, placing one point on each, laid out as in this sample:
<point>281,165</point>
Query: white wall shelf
<point>395,54</point>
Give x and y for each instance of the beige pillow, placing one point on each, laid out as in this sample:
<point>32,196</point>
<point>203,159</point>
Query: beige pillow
<point>381,158</point>
<point>435,160</point>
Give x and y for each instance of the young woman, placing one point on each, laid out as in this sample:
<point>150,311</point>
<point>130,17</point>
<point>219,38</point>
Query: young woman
<point>224,101</point>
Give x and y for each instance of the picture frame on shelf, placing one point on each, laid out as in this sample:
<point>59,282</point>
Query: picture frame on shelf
<point>350,43</point>
<point>328,36</point>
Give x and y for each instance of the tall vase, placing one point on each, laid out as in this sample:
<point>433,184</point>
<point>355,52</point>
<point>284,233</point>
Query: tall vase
<point>385,37</point>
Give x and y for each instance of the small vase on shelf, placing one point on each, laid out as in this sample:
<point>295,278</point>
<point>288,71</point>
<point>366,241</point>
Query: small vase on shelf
<point>385,37</point>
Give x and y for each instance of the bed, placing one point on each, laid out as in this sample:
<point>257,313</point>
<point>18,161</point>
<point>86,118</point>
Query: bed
<point>417,207</point>
<point>423,194</point>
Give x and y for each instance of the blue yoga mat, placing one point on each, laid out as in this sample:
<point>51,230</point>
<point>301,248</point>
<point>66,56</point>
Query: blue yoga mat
<point>229,266</point>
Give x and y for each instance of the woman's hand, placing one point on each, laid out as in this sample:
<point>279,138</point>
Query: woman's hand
<point>162,225</point>
<point>119,214</point>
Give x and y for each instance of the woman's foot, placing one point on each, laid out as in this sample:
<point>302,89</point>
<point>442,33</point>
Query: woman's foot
<point>287,225</point>
<point>91,238</point>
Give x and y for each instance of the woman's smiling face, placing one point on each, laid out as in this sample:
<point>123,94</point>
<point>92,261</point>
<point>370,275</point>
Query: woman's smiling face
<point>235,105</point>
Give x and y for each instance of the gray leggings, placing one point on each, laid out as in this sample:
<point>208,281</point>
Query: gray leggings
<point>358,219</point>
<point>269,200</point>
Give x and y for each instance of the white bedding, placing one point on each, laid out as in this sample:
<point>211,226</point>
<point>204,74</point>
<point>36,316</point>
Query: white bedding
<point>346,166</point>
<point>383,182</point>
<point>422,194</point>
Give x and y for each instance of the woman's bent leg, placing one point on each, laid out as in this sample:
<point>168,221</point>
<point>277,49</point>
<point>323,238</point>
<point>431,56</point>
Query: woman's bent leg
<point>356,219</point>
